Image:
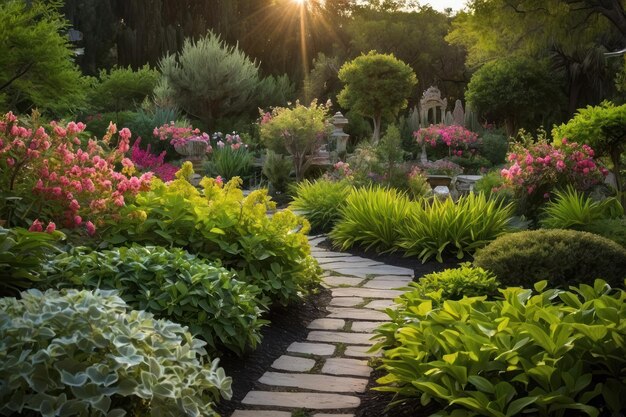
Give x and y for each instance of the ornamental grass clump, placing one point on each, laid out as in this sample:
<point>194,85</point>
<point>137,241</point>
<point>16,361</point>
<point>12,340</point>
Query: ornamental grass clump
<point>320,202</point>
<point>430,230</point>
<point>171,284</point>
<point>456,283</point>
<point>371,218</point>
<point>85,353</point>
<point>549,353</point>
<point>563,257</point>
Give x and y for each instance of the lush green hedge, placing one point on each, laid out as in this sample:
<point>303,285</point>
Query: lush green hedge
<point>552,353</point>
<point>218,223</point>
<point>75,353</point>
<point>170,284</point>
<point>563,257</point>
<point>456,283</point>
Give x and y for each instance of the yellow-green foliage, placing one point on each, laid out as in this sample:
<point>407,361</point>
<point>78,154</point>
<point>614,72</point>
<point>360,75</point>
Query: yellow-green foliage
<point>217,222</point>
<point>321,201</point>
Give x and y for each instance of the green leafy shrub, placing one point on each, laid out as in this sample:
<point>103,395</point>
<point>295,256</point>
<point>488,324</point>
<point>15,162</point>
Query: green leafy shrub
<point>146,120</point>
<point>122,88</point>
<point>218,223</point>
<point>82,353</point>
<point>320,201</point>
<point>563,257</point>
<point>555,353</point>
<point>491,184</point>
<point>614,229</point>
<point>277,170</point>
<point>370,218</point>
<point>461,227</point>
<point>417,183</point>
<point>454,283</point>
<point>21,255</point>
<point>98,124</point>
<point>494,146</point>
<point>169,284</point>
<point>473,164</point>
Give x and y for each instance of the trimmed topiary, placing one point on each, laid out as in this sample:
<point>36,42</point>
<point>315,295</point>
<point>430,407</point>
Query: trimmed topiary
<point>563,257</point>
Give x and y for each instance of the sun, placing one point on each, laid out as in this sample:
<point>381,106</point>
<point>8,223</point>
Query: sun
<point>300,2</point>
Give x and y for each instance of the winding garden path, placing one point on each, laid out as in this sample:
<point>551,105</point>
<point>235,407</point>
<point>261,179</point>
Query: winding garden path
<point>323,374</point>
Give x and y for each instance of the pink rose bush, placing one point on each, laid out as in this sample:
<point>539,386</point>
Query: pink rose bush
<point>456,139</point>
<point>536,171</point>
<point>52,175</point>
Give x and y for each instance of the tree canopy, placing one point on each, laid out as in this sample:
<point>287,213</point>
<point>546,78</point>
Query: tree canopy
<point>376,86</point>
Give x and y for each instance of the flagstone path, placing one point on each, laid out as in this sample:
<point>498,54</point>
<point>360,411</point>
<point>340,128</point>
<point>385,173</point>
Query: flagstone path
<point>323,374</point>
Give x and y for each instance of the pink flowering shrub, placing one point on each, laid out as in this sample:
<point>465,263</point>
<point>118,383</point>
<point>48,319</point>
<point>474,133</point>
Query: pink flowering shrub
<point>536,171</point>
<point>145,160</point>
<point>52,178</point>
<point>339,172</point>
<point>455,140</point>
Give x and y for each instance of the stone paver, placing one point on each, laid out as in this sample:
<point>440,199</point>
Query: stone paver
<point>315,382</point>
<point>327,324</point>
<point>345,263</point>
<point>343,366</point>
<point>364,326</point>
<point>341,337</point>
<point>357,314</point>
<point>365,292</point>
<point>374,270</point>
<point>380,304</point>
<point>293,364</point>
<point>310,400</point>
<point>387,284</point>
<point>360,352</point>
<point>346,301</point>
<point>260,413</point>
<point>337,281</point>
<point>319,349</point>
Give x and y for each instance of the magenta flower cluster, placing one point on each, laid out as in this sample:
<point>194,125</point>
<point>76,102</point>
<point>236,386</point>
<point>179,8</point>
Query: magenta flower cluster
<point>145,160</point>
<point>542,167</point>
<point>456,138</point>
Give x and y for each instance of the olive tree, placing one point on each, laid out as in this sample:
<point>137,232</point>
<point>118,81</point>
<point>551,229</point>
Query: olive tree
<point>376,86</point>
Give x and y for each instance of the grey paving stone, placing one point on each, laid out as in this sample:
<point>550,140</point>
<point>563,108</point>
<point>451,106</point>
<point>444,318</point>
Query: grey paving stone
<point>293,363</point>
<point>344,366</point>
<point>365,293</point>
<point>310,400</point>
<point>315,382</point>
<point>360,352</point>
<point>357,314</point>
<point>387,284</point>
<point>364,326</point>
<point>346,301</point>
<point>341,337</point>
<point>375,270</point>
<point>342,263</point>
<point>337,281</point>
<point>323,253</point>
<point>260,413</point>
<point>319,349</point>
<point>380,304</point>
<point>327,324</point>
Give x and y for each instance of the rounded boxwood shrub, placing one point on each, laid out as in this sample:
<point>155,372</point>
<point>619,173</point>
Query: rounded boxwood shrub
<point>171,284</point>
<point>455,283</point>
<point>82,353</point>
<point>563,257</point>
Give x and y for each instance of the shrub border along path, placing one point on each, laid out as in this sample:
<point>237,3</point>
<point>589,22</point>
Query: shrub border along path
<point>323,373</point>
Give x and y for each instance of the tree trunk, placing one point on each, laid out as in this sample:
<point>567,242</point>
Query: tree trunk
<point>509,123</point>
<point>613,10</point>
<point>376,134</point>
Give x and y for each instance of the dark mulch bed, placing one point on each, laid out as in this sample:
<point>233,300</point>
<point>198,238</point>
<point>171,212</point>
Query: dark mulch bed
<point>288,325</point>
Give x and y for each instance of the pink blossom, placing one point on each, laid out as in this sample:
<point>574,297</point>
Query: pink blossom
<point>51,227</point>
<point>37,226</point>
<point>91,229</point>
<point>78,220</point>
<point>10,162</point>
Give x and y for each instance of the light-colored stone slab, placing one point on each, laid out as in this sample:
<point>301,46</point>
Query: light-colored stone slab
<point>387,284</point>
<point>319,349</point>
<point>343,263</point>
<point>293,364</point>
<point>360,352</point>
<point>354,260</point>
<point>337,281</point>
<point>346,301</point>
<point>323,254</point>
<point>380,304</point>
<point>260,413</point>
<point>344,366</point>
<point>333,415</point>
<point>364,326</point>
<point>315,382</point>
<point>310,400</point>
<point>341,337</point>
<point>375,270</point>
<point>327,324</point>
<point>357,314</point>
<point>408,277</point>
<point>366,293</point>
